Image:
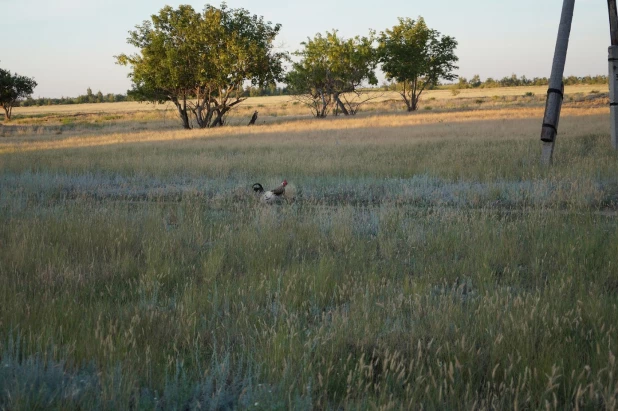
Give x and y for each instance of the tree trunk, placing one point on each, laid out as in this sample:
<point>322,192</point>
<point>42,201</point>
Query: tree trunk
<point>182,113</point>
<point>208,117</point>
<point>322,111</point>
<point>7,110</point>
<point>341,106</point>
<point>184,116</point>
<point>199,118</point>
<point>409,101</point>
<point>412,104</point>
<point>414,95</point>
<point>185,120</point>
<point>203,120</point>
<point>218,122</point>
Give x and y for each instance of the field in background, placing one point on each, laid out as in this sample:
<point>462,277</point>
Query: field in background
<point>278,100</point>
<point>272,108</point>
<point>422,260</point>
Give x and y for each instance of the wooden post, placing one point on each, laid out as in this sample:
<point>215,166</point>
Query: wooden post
<point>613,72</point>
<point>555,93</point>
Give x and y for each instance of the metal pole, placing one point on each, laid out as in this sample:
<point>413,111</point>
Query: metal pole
<point>613,21</point>
<point>555,93</point>
<point>613,72</point>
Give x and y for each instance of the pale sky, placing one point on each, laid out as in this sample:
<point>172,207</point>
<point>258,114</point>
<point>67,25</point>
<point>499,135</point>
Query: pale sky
<point>68,45</point>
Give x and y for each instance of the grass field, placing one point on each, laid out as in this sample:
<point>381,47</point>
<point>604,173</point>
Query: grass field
<point>284,108</point>
<point>422,260</point>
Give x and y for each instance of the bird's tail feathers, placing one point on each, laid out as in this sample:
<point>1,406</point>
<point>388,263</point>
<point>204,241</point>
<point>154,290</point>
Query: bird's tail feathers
<point>257,187</point>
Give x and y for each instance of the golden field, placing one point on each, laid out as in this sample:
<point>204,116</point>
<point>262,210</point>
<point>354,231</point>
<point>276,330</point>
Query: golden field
<point>255,102</point>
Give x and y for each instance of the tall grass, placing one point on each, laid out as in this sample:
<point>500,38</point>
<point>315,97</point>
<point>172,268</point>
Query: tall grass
<point>434,266</point>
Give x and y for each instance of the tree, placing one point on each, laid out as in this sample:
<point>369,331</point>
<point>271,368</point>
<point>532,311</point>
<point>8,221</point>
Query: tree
<point>463,83</point>
<point>331,66</point>
<point>12,88</point>
<point>417,57</point>
<point>476,82</point>
<point>200,61</point>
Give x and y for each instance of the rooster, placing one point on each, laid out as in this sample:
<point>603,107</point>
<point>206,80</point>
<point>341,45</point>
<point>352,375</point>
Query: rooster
<point>272,196</point>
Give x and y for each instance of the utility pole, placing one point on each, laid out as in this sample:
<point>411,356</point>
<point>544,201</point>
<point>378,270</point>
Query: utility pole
<point>613,72</point>
<point>555,93</point>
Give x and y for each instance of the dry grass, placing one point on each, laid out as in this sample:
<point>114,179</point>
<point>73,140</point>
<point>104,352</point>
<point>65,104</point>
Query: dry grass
<point>424,260</point>
<point>256,102</point>
<point>379,129</point>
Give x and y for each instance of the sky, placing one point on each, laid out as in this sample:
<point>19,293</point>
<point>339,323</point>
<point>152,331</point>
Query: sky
<point>69,45</point>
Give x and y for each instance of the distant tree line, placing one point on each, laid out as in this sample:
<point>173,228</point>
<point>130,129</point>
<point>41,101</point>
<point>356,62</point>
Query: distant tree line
<point>271,90</point>
<point>99,97</point>
<point>89,97</point>
<point>514,81</point>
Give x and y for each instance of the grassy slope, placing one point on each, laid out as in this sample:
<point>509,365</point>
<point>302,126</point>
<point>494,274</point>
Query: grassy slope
<point>424,260</point>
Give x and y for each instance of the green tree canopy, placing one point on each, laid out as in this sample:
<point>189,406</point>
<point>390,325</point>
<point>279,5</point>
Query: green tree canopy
<point>416,57</point>
<point>330,66</point>
<point>12,88</point>
<point>199,61</point>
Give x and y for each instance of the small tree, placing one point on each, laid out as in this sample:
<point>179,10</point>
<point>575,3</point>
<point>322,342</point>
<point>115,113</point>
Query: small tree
<point>417,57</point>
<point>476,82</point>
<point>331,66</point>
<point>200,61</point>
<point>463,83</point>
<point>12,88</point>
<point>308,81</point>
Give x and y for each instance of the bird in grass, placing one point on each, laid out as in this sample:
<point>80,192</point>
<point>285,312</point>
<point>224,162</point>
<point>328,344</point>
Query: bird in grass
<point>276,195</point>
<point>253,119</point>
